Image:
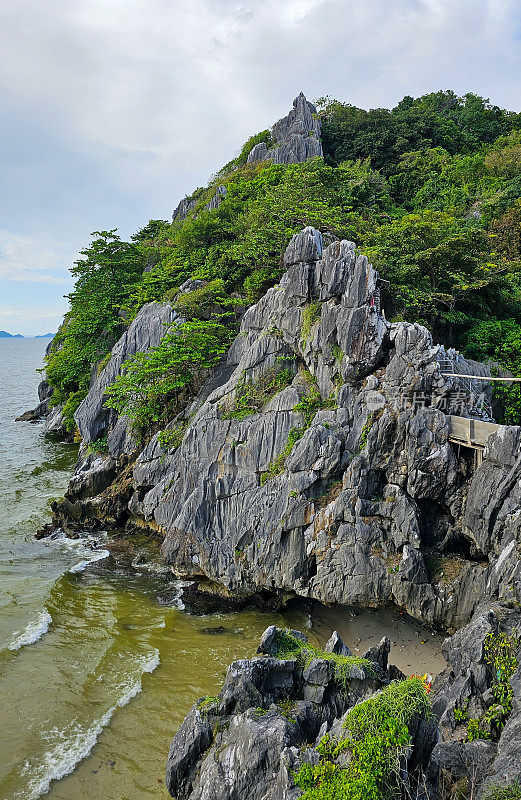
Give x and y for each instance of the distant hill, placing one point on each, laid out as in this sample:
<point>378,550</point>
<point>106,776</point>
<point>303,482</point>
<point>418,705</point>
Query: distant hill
<point>5,335</point>
<point>45,336</point>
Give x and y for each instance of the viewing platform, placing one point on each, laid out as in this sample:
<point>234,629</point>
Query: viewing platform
<point>471,433</point>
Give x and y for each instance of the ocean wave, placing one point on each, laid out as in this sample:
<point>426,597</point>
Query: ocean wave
<point>97,555</point>
<point>76,742</point>
<point>87,547</point>
<point>33,631</point>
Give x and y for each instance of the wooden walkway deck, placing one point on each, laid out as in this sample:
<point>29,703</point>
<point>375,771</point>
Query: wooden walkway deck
<point>472,433</point>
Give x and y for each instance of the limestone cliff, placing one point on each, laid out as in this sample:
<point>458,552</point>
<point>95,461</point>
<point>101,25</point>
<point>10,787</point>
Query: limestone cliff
<point>344,485</point>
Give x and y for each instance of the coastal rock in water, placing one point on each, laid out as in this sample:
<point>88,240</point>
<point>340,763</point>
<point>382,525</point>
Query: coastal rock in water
<point>43,409</point>
<point>251,740</point>
<point>297,136</point>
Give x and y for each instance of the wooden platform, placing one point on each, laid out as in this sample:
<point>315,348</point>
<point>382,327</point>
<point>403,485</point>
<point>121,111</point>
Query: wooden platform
<point>472,433</point>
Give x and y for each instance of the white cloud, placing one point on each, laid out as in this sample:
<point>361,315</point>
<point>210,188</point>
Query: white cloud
<point>116,109</point>
<point>32,260</point>
<point>170,78</point>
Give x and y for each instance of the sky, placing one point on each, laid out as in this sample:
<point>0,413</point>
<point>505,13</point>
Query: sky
<point>111,111</point>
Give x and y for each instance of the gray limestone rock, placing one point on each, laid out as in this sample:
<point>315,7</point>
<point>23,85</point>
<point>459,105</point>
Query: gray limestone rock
<point>145,332</point>
<point>345,487</point>
<point>252,740</point>
<point>215,202</point>
<point>296,136</point>
<point>183,209</point>
<point>335,645</point>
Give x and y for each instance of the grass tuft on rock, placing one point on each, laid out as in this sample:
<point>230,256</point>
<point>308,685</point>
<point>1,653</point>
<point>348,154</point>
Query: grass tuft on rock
<point>289,646</point>
<point>377,740</point>
<point>251,396</point>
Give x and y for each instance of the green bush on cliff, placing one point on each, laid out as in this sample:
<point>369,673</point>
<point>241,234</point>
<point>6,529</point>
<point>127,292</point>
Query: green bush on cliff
<point>105,275</point>
<point>252,395</point>
<point>288,646</point>
<point>512,792</point>
<point>377,737</point>
<point>152,385</point>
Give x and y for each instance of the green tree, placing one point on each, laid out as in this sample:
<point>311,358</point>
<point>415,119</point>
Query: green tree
<point>153,385</point>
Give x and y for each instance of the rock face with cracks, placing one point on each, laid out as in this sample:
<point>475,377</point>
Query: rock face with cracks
<point>296,136</point>
<point>344,486</point>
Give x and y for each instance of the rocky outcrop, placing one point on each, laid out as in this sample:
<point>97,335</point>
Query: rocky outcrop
<point>183,209</point>
<point>296,136</point>
<point>466,686</point>
<point>344,487</point>
<point>44,410</point>
<point>273,711</point>
<point>215,202</point>
<point>267,721</point>
<point>92,417</point>
<point>361,499</point>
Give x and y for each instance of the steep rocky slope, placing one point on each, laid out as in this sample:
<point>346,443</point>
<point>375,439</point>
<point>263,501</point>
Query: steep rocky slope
<point>343,486</point>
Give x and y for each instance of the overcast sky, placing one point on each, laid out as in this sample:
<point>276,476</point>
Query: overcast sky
<point>112,110</point>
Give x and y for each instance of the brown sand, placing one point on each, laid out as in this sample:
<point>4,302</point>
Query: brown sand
<point>415,649</point>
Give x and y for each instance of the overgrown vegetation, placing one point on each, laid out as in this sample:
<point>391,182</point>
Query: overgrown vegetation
<point>288,646</point>
<point>252,395</point>
<point>151,389</point>
<point>310,315</point>
<point>500,652</point>
<point>377,737</point>
<point>512,792</point>
<point>431,190</point>
<point>173,436</point>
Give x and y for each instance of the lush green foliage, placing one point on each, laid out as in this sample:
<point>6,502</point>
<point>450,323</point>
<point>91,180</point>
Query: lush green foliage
<point>501,657</point>
<point>172,437</point>
<point>430,189</point>
<point>377,737</point>
<point>439,119</point>
<point>152,385</point>
<point>310,315</point>
<point>105,274</point>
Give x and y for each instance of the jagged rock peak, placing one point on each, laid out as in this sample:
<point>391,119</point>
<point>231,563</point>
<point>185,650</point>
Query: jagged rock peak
<point>297,136</point>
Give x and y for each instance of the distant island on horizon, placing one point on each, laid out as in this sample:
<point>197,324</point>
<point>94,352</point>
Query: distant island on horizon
<point>6,335</point>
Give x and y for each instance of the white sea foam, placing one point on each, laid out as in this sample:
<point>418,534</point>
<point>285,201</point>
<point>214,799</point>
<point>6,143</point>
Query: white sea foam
<point>96,555</point>
<point>86,547</point>
<point>32,632</point>
<point>75,742</point>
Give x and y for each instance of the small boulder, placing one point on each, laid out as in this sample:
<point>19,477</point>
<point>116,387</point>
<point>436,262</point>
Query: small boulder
<point>336,645</point>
